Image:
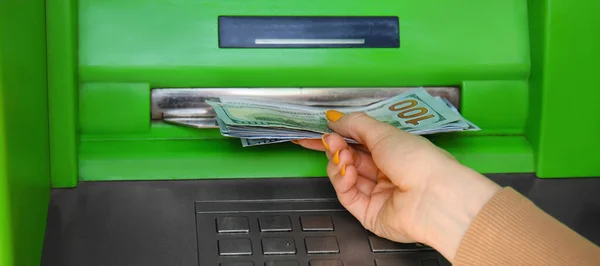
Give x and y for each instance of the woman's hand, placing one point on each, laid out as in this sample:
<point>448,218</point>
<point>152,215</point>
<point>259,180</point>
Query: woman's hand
<point>400,186</point>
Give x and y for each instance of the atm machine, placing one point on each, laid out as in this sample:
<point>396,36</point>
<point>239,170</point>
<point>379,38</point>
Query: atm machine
<point>91,174</point>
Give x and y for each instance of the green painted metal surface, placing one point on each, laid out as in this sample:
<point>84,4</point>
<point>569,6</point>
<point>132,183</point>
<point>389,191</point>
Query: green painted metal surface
<point>6,245</point>
<point>114,107</point>
<point>61,29</point>
<point>24,153</point>
<point>118,43</point>
<point>193,159</point>
<point>499,107</point>
<point>563,124</point>
<point>174,44</point>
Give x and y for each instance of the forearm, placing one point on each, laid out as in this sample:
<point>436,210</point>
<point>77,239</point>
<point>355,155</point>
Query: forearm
<point>511,230</point>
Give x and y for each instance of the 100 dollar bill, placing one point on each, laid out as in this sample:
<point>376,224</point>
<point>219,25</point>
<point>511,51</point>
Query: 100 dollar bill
<point>410,111</point>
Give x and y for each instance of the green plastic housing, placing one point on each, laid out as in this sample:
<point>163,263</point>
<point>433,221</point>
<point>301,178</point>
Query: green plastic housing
<point>76,76</point>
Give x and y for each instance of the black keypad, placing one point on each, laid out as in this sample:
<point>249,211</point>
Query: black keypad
<point>278,246</point>
<point>277,223</point>
<point>398,262</point>
<point>316,223</point>
<point>235,247</point>
<point>293,237</point>
<point>237,263</point>
<point>326,263</point>
<point>281,263</point>
<point>321,245</point>
<point>233,224</point>
<point>380,245</point>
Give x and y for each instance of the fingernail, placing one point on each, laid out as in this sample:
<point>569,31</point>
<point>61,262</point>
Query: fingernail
<point>333,115</point>
<point>343,170</point>
<point>295,141</point>
<point>325,143</point>
<point>336,157</point>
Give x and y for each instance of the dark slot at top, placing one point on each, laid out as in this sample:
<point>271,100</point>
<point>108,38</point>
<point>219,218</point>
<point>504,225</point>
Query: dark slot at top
<point>308,32</point>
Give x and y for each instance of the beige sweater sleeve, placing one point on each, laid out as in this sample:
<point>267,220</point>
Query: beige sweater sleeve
<point>511,230</point>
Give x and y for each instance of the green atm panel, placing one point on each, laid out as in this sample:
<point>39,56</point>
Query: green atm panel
<point>128,49</point>
<point>79,81</point>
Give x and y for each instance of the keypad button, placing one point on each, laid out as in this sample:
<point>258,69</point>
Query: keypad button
<point>321,245</point>
<point>237,263</point>
<point>235,247</point>
<point>281,263</point>
<point>429,262</point>
<point>233,224</point>
<point>278,246</point>
<point>316,223</point>
<point>326,263</point>
<point>280,223</point>
<point>397,262</point>
<point>380,245</point>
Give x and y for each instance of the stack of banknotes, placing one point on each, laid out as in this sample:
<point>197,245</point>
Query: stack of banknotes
<point>258,122</point>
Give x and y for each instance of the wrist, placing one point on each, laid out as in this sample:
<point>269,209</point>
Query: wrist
<point>461,194</point>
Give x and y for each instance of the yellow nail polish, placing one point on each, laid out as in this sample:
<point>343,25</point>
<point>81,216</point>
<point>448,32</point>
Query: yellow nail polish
<point>333,115</point>
<point>343,170</point>
<point>324,143</point>
<point>336,157</point>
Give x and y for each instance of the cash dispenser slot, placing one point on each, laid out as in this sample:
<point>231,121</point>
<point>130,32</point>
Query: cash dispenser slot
<point>187,106</point>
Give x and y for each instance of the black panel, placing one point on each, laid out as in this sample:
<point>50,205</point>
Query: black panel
<point>429,263</point>
<point>308,32</point>
<point>154,222</point>
<point>336,235</point>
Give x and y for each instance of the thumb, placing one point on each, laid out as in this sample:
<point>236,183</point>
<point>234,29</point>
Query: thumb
<point>396,152</point>
<point>365,129</point>
<point>387,144</point>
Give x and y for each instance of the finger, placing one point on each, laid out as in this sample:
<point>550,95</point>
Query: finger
<point>339,165</point>
<point>365,185</point>
<point>338,161</point>
<point>338,148</point>
<point>388,145</point>
<point>364,163</point>
<point>360,147</point>
<point>362,159</point>
<point>364,129</point>
<point>384,186</point>
<point>344,183</point>
<point>312,144</point>
<point>330,143</point>
<point>333,143</point>
<point>317,144</point>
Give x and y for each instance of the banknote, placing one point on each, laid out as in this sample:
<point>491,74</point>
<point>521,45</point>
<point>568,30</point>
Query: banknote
<point>408,111</point>
<point>258,122</point>
<point>256,142</point>
<point>463,123</point>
